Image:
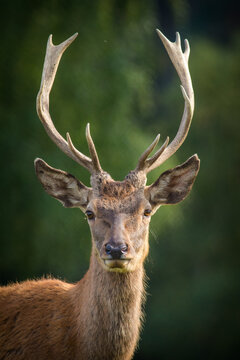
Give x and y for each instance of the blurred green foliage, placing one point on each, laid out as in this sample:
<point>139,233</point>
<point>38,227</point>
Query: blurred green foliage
<point>117,76</point>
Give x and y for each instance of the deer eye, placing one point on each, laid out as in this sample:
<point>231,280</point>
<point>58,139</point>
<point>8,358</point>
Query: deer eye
<point>89,214</point>
<point>147,212</point>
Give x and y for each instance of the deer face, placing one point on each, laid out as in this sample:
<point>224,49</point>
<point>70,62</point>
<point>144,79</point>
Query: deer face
<point>119,226</point>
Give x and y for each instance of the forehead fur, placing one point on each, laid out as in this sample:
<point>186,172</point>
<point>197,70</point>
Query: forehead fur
<point>111,192</point>
<point>116,189</point>
<point>103,184</point>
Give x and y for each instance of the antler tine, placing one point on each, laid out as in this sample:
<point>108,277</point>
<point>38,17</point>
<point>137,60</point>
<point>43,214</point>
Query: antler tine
<point>180,62</point>
<point>142,160</point>
<point>51,62</point>
<point>158,153</point>
<point>92,150</point>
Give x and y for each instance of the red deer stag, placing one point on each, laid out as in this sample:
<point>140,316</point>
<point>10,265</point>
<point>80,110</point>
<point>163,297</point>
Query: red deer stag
<point>100,316</point>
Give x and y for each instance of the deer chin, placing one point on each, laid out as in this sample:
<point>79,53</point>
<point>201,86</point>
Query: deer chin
<point>121,265</point>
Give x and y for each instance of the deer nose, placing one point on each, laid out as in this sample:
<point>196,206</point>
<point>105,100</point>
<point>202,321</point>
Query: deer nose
<point>116,251</point>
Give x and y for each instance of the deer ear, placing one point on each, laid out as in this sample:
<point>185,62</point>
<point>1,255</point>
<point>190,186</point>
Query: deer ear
<point>62,185</point>
<point>175,184</point>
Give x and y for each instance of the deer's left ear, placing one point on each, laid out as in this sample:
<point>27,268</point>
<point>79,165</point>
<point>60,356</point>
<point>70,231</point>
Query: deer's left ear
<point>173,185</point>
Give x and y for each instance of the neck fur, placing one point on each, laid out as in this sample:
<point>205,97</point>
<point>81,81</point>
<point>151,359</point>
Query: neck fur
<point>111,311</point>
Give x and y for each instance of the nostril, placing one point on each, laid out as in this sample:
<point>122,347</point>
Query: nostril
<point>123,248</point>
<point>108,249</point>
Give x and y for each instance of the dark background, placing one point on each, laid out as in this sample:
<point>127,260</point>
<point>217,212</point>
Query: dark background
<point>118,77</point>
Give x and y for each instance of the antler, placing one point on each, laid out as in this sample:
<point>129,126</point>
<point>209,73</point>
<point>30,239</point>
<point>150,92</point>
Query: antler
<point>51,62</point>
<point>180,62</point>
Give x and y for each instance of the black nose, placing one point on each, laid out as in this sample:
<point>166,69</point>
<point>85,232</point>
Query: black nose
<point>116,251</point>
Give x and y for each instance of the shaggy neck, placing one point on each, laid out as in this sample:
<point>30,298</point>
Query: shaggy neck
<point>111,311</point>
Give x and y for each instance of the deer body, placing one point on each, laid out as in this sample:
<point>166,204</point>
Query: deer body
<point>100,316</point>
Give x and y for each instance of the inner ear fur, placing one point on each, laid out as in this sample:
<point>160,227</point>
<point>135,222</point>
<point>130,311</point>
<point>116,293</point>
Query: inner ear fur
<point>62,185</point>
<point>174,184</point>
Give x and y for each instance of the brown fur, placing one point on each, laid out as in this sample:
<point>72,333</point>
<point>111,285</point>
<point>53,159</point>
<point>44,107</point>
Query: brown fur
<point>117,189</point>
<point>50,319</point>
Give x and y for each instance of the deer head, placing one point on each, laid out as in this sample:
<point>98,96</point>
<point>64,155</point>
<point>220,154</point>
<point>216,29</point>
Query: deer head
<point>118,212</point>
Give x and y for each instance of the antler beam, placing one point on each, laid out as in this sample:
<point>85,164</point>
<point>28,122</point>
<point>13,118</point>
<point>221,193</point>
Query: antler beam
<point>180,62</point>
<point>51,62</point>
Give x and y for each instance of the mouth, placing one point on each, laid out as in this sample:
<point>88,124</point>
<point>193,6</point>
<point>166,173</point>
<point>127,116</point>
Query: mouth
<point>116,264</point>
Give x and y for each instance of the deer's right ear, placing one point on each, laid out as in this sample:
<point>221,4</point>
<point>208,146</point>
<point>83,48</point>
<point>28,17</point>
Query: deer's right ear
<point>62,185</point>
